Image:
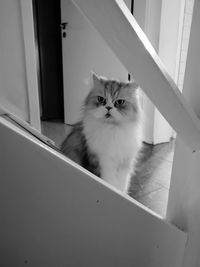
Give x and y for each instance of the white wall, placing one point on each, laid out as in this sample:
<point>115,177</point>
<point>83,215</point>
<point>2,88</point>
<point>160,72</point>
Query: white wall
<point>169,50</point>
<point>13,83</point>
<point>147,13</point>
<point>184,197</point>
<point>186,25</point>
<point>153,18</point>
<point>192,74</point>
<point>169,34</point>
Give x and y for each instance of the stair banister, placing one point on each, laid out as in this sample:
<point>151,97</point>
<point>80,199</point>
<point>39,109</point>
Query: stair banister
<point>114,22</point>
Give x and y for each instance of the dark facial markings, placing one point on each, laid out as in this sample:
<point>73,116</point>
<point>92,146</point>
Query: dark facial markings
<point>108,108</point>
<point>101,100</point>
<point>113,90</point>
<point>119,103</point>
<point>111,87</point>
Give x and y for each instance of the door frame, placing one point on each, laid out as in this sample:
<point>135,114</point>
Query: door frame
<point>156,128</point>
<point>30,51</point>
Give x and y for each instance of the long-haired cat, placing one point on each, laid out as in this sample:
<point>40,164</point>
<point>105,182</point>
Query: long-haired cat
<point>107,139</point>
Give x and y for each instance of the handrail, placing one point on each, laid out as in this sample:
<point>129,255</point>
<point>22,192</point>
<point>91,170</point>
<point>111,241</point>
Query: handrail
<point>26,126</point>
<point>116,25</point>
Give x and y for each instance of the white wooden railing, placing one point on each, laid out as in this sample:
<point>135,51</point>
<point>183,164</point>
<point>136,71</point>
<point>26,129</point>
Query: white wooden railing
<point>114,22</point>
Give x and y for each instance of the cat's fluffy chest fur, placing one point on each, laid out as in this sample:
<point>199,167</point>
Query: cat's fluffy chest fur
<point>116,146</point>
<point>107,139</point>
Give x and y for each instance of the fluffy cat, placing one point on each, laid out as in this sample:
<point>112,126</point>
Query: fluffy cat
<point>107,139</point>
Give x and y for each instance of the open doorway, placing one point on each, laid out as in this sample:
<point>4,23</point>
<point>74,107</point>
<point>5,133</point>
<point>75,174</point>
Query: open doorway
<point>47,20</point>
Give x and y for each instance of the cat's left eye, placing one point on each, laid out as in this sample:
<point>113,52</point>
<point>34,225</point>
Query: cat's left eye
<point>101,100</point>
<point>119,102</point>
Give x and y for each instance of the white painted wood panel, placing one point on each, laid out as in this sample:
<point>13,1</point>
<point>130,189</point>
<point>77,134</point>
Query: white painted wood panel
<point>147,16</point>
<point>13,86</point>
<point>169,52</point>
<point>53,213</point>
<point>184,196</point>
<point>30,63</point>
<point>119,29</point>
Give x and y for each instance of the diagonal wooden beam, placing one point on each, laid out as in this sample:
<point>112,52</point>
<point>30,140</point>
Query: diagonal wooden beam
<point>114,22</point>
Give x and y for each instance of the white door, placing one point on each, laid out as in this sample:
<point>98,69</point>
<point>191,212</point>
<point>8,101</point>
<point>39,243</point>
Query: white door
<point>83,51</point>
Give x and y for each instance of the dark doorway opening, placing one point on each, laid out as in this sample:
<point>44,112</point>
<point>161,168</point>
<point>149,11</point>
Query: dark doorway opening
<point>47,19</point>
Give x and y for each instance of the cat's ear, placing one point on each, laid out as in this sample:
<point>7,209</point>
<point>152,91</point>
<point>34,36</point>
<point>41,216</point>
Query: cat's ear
<point>135,90</point>
<point>133,85</point>
<point>95,79</point>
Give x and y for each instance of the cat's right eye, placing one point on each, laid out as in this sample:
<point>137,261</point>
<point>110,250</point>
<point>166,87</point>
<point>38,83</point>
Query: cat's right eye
<point>101,100</point>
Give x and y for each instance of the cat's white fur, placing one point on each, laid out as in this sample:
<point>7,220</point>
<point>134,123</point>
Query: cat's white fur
<point>117,148</point>
<point>115,140</point>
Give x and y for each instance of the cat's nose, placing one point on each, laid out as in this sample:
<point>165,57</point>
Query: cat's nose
<point>108,108</point>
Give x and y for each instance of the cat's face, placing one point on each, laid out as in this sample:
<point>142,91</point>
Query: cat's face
<point>113,102</point>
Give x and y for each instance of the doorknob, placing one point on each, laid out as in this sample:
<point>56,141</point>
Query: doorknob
<point>63,25</point>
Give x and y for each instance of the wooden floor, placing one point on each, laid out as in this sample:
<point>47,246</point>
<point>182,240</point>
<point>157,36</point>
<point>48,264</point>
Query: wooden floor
<point>150,184</point>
